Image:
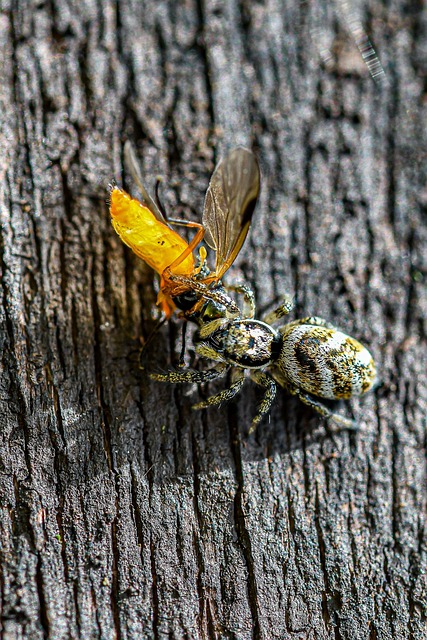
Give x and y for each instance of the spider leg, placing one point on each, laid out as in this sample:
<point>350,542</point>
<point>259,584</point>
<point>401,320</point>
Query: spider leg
<point>322,410</point>
<point>198,377</point>
<point>217,295</point>
<point>266,381</point>
<point>310,401</point>
<point>281,311</point>
<point>224,395</point>
<point>248,310</point>
<point>208,328</point>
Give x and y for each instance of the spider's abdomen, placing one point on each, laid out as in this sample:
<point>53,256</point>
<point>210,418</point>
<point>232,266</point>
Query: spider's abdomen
<point>325,362</point>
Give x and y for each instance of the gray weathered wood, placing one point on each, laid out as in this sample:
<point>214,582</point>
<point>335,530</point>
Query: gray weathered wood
<point>123,513</point>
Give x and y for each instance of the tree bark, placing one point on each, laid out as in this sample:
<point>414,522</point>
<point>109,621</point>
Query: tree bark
<point>125,514</point>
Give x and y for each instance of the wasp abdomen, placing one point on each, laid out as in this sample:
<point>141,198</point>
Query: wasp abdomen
<point>325,362</point>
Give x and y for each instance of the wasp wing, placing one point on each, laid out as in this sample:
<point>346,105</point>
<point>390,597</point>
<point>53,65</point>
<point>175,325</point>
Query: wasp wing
<point>229,205</point>
<point>135,170</point>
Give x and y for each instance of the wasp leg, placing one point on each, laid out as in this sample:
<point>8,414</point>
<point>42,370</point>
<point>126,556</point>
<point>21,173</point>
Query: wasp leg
<point>248,310</point>
<point>198,377</point>
<point>181,362</point>
<point>266,381</point>
<point>277,314</point>
<point>222,396</point>
<point>345,423</point>
<point>144,347</point>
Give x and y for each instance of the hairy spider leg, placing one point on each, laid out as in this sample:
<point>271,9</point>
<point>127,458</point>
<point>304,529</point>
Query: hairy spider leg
<point>310,401</point>
<point>321,409</point>
<point>283,310</point>
<point>268,383</point>
<point>248,311</point>
<point>197,377</point>
<point>205,293</point>
<point>225,394</point>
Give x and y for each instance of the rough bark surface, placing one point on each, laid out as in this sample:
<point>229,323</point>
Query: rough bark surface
<point>124,514</point>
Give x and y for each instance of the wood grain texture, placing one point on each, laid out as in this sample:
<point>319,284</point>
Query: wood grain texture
<point>123,514</point>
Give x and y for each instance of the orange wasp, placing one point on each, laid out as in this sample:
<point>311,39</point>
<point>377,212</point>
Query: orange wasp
<point>229,205</point>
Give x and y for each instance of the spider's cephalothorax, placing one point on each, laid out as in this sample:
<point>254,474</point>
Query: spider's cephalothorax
<point>308,357</point>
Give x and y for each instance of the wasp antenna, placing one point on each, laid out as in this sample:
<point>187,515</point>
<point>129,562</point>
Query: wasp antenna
<point>157,195</point>
<point>111,186</point>
<point>133,165</point>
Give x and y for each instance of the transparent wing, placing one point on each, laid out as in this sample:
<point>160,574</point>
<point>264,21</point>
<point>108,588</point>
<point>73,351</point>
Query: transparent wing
<point>229,205</point>
<point>135,170</point>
